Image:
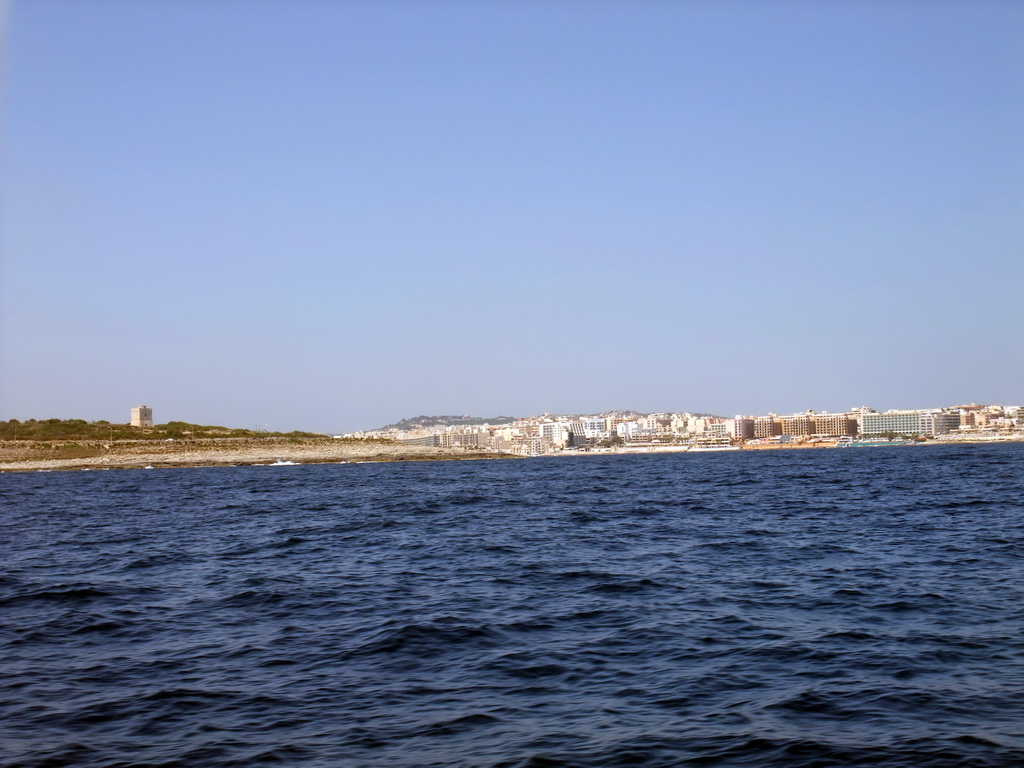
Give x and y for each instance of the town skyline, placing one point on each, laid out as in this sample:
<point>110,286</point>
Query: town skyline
<point>142,416</point>
<point>555,433</point>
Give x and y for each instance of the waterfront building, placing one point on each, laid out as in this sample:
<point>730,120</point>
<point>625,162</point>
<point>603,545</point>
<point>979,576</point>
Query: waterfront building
<point>858,416</point>
<point>459,440</point>
<point>578,434</point>
<point>554,434</point>
<point>528,446</point>
<point>718,428</point>
<point>798,425</point>
<point>611,422</point>
<point>939,422</point>
<point>657,423</point>
<point>631,430</point>
<point>431,440</point>
<point>834,425</point>
<point>715,433</point>
<point>741,427</point>
<point>594,428</point>
<point>1002,424</point>
<point>698,425</point>
<point>895,422</point>
<point>767,426</point>
<point>679,423</point>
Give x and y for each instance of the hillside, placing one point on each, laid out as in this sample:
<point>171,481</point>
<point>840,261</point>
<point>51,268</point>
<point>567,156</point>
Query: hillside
<point>429,422</point>
<point>440,422</point>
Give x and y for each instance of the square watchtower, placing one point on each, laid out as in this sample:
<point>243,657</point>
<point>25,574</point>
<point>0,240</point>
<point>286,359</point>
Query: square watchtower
<point>142,416</point>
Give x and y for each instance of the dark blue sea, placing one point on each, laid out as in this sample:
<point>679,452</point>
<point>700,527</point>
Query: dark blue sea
<point>860,607</point>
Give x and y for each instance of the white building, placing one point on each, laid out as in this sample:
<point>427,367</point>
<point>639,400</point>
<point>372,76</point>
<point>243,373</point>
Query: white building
<point>896,422</point>
<point>631,430</point>
<point>679,423</point>
<point>594,428</point>
<point>554,433</point>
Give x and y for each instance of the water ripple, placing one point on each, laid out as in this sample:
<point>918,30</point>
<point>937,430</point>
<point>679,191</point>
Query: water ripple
<point>791,608</point>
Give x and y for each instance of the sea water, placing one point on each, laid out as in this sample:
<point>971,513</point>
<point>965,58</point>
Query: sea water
<point>761,608</point>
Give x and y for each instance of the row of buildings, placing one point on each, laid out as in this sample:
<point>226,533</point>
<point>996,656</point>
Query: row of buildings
<point>551,433</point>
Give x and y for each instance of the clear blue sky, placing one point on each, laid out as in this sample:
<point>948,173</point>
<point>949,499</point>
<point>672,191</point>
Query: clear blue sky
<point>331,215</point>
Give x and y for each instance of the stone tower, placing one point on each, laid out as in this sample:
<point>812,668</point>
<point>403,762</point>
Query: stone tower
<point>142,416</point>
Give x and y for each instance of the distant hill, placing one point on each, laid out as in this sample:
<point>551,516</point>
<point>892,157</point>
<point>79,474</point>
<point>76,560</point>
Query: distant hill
<point>429,422</point>
<point>440,422</point>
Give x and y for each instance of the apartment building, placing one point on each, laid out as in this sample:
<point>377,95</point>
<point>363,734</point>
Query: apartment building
<point>767,426</point>
<point>834,425</point>
<point>741,427</point>
<point>798,425</point>
<point>554,433</point>
<point>939,422</point>
<point>460,439</point>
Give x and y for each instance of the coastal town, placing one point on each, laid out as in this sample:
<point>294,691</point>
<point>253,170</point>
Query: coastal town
<point>629,431</point>
<point>52,444</point>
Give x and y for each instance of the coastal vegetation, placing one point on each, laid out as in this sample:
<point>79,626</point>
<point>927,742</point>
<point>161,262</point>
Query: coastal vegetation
<point>79,429</point>
<point>49,444</point>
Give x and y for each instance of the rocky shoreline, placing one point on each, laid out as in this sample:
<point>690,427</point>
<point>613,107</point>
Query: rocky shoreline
<point>40,456</point>
<point>34,456</point>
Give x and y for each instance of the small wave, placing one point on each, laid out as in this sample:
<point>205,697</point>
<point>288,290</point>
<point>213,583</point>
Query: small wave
<point>625,587</point>
<point>291,541</point>
<point>100,627</point>
<point>429,639</point>
<point>255,598</point>
<point>60,594</point>
<point>159,560</point>
<point>459,725</point>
